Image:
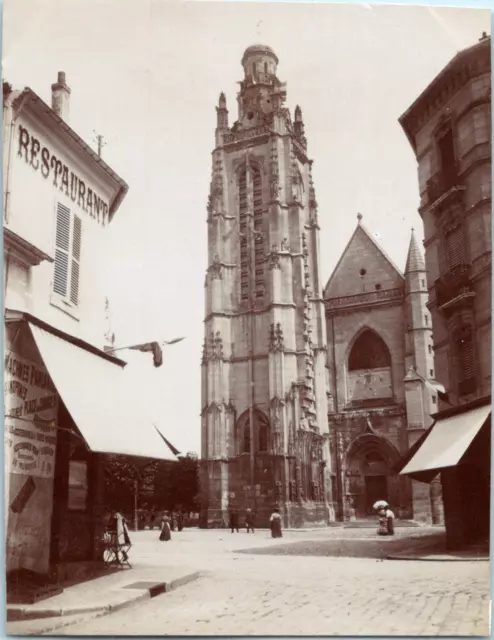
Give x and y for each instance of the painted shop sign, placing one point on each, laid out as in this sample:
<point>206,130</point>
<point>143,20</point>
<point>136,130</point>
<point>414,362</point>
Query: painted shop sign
<point>43,160</point>
<point>31,404</point>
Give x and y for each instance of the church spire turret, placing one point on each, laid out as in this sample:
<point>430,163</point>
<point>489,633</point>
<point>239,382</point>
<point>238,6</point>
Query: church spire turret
<point>299,127</point>
<point>415,259</point>
<point>419,328</point>
<point>221,118</point>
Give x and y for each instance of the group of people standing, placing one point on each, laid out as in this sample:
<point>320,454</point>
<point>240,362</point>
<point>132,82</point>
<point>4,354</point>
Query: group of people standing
<point>170,523</point>
<point>274,522</point>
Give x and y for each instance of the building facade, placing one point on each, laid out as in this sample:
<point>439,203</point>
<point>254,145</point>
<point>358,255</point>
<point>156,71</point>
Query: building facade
<point>381,378</point>
<point>265,435</point>
<point>61,389</point>
<point>449,129</point>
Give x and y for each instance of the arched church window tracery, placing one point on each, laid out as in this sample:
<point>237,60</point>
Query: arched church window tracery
<point>244,252</point>
<point>263,436</point>
<point>369,373</point>
<point>261,432</point>
<point>251,240</point>
<point>369,352</point>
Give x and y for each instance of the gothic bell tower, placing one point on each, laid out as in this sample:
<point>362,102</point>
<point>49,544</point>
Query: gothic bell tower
<point>265,437</point>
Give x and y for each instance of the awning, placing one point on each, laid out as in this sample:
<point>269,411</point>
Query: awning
<point>447,441</point>
<point>110,415</point>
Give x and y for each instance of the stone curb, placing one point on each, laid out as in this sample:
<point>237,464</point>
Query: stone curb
<point>435,558</point>
<point>59,616</point>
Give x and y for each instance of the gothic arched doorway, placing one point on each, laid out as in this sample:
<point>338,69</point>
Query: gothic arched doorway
<point>368,478</point>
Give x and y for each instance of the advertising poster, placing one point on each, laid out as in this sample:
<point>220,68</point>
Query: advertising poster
<point>31,404</point>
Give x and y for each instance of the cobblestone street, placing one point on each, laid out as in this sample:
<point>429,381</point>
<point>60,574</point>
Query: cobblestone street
<point>276,595</point>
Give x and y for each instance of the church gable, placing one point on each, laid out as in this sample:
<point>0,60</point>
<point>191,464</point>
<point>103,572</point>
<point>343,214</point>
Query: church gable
<point>362,268</point>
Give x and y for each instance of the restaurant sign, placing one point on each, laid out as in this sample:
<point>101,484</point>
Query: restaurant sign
<point>42,159</point>
<point>31,404</point>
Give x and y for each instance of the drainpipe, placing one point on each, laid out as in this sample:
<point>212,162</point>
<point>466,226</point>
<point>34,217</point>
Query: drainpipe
<point>7,114</point>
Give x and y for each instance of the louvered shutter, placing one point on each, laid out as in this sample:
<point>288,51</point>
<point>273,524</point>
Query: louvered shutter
<point>467,361</point>
<point>62,249</point>
<point>76,258</point>
<point>456,247</point>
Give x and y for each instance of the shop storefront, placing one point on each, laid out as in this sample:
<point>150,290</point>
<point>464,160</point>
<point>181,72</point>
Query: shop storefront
<point>66,405</point>
<point>458,447</point>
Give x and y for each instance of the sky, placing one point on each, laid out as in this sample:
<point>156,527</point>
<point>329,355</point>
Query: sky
<point>146,74</point>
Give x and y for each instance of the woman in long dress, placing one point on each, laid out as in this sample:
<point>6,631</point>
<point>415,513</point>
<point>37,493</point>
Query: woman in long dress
<point>382,528</point>
<point>165,534</point>
<point>275,524</point>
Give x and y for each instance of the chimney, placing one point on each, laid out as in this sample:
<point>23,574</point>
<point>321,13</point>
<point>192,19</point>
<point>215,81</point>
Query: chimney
<point>60,95</point>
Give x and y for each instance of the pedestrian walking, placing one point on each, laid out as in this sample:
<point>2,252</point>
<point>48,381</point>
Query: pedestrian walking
<point>173,521</point>
<point>249,520</point>
<point>180,521</point>
<point>275,524</point>
<point>234,520</point>
<point>165,534</point>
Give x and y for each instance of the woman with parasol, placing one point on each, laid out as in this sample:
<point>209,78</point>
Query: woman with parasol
<point>386,518</point>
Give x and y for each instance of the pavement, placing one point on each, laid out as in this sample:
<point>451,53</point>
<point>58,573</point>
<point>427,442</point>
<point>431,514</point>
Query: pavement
<point>239,585</point>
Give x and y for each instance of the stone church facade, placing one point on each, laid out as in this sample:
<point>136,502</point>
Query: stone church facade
<point>265,434</point>
<point>381,367</point>
<point>288,420</point>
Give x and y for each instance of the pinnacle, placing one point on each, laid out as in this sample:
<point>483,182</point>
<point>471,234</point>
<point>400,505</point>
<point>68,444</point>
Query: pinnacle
<point>415,259</point>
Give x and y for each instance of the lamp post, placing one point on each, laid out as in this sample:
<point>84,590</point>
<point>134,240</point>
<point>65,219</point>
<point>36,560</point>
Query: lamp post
<point>136,515</point>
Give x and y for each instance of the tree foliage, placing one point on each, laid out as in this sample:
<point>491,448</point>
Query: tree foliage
<point>161,485</point>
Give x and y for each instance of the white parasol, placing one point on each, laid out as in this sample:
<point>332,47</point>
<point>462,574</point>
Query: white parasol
<point>380,504</point>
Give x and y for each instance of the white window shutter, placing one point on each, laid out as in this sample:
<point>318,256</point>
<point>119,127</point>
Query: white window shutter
<point>62,249</point>
<point>76,258</point>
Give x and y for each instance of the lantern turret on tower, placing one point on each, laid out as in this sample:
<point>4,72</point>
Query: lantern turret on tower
<point>261,93</point>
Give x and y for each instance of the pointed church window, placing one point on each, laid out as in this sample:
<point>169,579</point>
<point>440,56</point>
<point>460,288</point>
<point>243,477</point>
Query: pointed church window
<point>263,437</point>
<point>369,352</point>
<point>246,442</point>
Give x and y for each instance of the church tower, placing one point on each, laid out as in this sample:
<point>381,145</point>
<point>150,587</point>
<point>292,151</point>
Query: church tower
<point>265,436</point>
